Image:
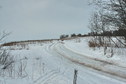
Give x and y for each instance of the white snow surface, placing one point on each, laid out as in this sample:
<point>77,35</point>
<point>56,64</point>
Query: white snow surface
<point>82,48</point>
<point>55,62</point>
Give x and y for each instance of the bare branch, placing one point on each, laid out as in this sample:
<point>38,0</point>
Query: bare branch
<point>4,35</point>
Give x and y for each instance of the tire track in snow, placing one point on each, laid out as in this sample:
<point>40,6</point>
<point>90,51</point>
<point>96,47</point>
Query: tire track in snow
<point>57,50</point>
<point>113,72</point>
<point>52,74</point>
<point>46,77</point>
<point>104,61</point>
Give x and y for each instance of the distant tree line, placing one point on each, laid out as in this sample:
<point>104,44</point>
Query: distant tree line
<point>63,36</point>
<point>119,32</point>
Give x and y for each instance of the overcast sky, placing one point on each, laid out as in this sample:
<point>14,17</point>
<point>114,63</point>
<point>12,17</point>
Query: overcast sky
<point>43,19</point>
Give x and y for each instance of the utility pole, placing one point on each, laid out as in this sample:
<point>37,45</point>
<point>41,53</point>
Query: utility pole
<point>75,76</point>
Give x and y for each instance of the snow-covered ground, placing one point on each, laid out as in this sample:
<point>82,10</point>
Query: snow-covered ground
<point>80,46</point>
<point>55,62</point>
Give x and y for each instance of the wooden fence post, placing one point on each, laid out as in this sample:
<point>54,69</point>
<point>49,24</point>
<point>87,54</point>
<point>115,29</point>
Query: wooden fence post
<point>75,76</point>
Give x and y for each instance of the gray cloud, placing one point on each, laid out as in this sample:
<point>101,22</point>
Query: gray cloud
<point>41,19</point>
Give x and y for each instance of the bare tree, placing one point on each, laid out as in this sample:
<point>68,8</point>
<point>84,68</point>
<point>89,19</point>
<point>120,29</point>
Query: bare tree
<point>111,15</point>
<point>117,15</point>
<point>5,59</point>
<point>98,25</point>
<point>113,12</point>
<point>3,35</point>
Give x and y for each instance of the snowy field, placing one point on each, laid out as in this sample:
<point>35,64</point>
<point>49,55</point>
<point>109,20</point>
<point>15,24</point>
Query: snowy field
<point>54,63</point>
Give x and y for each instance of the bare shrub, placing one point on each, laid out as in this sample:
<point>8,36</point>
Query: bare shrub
<point>5,59</point>
<point>21,68</point>
<point>92,44</point>
<point>6,63</point>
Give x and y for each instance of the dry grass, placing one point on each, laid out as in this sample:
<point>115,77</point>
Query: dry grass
<point>28,42</point>
<point>93,44</point>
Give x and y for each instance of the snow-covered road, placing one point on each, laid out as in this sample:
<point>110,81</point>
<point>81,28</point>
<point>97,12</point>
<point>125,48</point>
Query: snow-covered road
<point>91,71</point>
<point>55,62</point>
